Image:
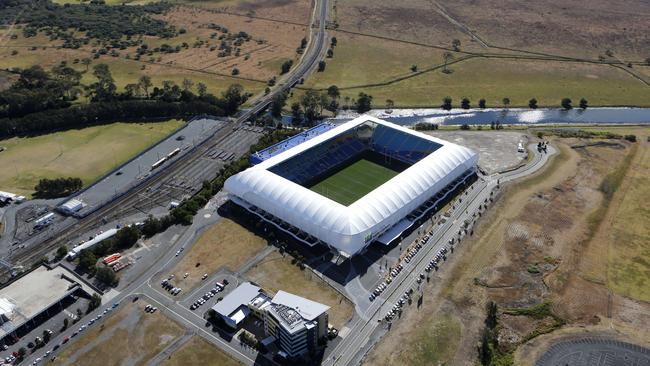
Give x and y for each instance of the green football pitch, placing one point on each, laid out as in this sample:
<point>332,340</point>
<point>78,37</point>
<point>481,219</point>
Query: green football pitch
<point>353,182</point>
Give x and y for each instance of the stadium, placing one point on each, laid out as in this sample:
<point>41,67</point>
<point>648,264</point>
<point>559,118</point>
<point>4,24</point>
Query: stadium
<point>348,185</point>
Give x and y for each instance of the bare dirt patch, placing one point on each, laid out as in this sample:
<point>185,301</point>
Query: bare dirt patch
<point>199,352</point>
<point>130,336</point>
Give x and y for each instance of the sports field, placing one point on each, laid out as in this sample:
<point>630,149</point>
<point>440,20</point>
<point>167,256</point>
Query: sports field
<point>354,181</point>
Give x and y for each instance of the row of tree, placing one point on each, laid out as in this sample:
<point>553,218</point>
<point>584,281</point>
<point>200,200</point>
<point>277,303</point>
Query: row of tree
<point>39,102</point>
<point>465,103</point>
<point>312,103</point>
<point>124,239</point>
<point>58,187</point>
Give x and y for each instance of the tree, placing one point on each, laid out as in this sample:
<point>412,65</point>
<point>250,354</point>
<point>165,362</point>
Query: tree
<point>390,104</point>
<point>94,303</point>
<point>145,83</point>
<point>464,103</point>
<point>364,102</point>
<point>414,68</point>
<point>187,84</point>
<point>446,103</point>
<point>321,66</point>
<point>532,104</point>
<point>87,261</point>
<point>456,44</point>
<point>312,105</point>
<point>22,351</point>
<point>491,317</point>
<point>296,113</point>
<point>202,89</point>
<point>446,57</point>
<point>583,103</point>
<point>234,72</point>
<point>278,103</point>
<point>61,252</point>
<point>131,90</point>
<point>506,102</point>
<point>484,350</point>
<point>126,237</point>
<point>66,322</point>
<point>233,97</point>
<point>330,53</point>
<point>286,66</point>
<point>333,43</point>
<point>86,62</point>
<point>107,276</point>
<point>566,103</point>
<point>465,127</point>
<point>46,336</point>
<point>333,92</point>
<point>481,103</point>
<point>104,89</point>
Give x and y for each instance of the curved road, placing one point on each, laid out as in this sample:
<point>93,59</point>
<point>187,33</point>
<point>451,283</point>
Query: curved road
<point>315,51</point>
<point>361,337</point>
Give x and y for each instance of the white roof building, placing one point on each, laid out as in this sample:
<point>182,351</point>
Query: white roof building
<point>349,229</point>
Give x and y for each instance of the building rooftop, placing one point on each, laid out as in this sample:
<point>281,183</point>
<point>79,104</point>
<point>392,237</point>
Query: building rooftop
<point>351,228</point>
<point>242,295</point>
<point>35,292</point>
<point>306,309</point>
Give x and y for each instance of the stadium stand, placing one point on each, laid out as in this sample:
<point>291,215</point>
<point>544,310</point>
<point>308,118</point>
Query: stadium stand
<point>387,142</point>
<point>282,146</point>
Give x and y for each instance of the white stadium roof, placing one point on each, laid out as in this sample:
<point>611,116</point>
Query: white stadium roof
<point>347,228</point>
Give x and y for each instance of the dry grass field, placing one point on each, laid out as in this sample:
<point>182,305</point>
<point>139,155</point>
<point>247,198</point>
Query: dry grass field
<point>197,351</point>
<point>129,336</point>
<point>272,42</point>
<point>88,153</point>
<point>541,243</point>
<point>225,244</point>
<point>543,50</point>
<point>276,273</point>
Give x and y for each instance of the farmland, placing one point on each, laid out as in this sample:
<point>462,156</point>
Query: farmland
<point>87,153</point>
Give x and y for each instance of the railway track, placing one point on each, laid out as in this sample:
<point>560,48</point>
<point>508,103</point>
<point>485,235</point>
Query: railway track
<point>138,198</point>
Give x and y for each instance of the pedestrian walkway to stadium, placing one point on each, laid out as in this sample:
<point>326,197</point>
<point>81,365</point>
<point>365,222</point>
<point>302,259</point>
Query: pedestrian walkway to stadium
<point>284,145</point>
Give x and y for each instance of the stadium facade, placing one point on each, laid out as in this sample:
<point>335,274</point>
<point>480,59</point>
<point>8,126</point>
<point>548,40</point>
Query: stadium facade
<point>353,184</point>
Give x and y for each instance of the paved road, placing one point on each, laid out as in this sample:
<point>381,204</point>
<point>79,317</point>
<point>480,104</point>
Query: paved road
<point>142,286</point>
<point>353,348</point>
<point>595,352</point>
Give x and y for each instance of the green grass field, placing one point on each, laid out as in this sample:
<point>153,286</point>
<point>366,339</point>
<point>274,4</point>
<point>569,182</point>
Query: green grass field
<point>361,62</point>
<point>353,182</point>
<point>87,153</point>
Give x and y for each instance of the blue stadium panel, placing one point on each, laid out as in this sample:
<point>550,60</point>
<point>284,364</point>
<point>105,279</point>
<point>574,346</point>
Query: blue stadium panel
<point>345,147</point>
<point>292,141</point>
<point>402,146</point>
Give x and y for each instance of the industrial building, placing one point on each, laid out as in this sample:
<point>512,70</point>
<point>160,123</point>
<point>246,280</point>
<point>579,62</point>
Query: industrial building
<point>297,326</point>
<point>6,197</point>
<point>285,189</point>
<point>37,296</point>
<point>238,304</point>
